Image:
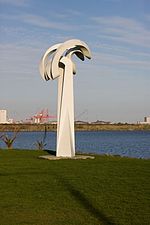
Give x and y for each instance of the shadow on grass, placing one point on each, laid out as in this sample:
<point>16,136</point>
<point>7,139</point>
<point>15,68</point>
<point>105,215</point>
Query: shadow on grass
<point>85,202</point>
<point>51,152</point>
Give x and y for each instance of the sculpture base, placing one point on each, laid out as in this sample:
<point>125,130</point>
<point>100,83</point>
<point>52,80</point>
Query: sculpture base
<point>52,157</point>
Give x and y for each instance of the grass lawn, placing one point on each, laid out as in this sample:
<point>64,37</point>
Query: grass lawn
<point>107,190</point>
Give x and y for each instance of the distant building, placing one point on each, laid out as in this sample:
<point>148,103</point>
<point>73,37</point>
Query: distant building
<point>10,121</point>
<point>100,122</point>
<point>3,116</point>
<point>146,120</point>
<point>80,122</point>
<point>53,122</point>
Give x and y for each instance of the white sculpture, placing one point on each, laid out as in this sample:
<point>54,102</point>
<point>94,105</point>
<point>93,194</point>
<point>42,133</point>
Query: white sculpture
<point>61,66</point>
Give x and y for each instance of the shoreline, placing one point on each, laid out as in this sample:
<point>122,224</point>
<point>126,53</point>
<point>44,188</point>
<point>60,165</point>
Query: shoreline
<point>78,127</point>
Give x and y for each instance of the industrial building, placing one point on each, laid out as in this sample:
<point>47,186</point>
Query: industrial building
<point>41,117</point>
<point>146,120</point>
<point>3,116</point>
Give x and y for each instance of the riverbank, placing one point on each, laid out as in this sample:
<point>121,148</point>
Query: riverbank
<point>78,127</point>
<point>105,190</point>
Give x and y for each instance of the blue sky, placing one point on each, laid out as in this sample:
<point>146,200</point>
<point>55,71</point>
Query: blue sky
<point>113,86</point>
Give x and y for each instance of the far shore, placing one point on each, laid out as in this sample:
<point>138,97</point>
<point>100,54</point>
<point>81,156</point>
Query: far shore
<point>78,127</point>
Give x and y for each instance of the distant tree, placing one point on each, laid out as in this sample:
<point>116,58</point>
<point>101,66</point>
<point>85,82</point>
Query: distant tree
<point>0,139</point>
<point>1,136</point>
<point>9,140</point>
<point>40,144</point>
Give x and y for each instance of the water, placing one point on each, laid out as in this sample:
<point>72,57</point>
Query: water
<point>125,143</point>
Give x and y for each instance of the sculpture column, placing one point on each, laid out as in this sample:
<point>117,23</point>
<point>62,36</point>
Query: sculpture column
<point>65,121</point>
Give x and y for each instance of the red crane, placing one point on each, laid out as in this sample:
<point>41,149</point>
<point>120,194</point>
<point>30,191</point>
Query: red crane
<point>42,116</point>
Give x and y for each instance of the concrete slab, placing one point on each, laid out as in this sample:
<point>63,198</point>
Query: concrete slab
<point>52,157</point>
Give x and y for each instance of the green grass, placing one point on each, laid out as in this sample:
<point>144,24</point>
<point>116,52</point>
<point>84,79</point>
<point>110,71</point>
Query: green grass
<point>107,190</point>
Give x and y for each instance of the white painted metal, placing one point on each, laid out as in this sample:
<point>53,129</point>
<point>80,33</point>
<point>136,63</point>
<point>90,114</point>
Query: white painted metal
<point>61,66</point>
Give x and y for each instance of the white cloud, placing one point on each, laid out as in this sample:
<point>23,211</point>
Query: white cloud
<point>115,21</point>
<point>15,2</point>
<point>39,21</point>
<point>121,29</point>
<point>45,23</point>
<point>124,61</point>
<point>18,62</point>
<point>147,17</point>
<point>120,50</point>
<point>113,1</point>
<point>73,12</point>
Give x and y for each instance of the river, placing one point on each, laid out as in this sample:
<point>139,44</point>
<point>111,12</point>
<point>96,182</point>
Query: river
<point>135,144</point>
